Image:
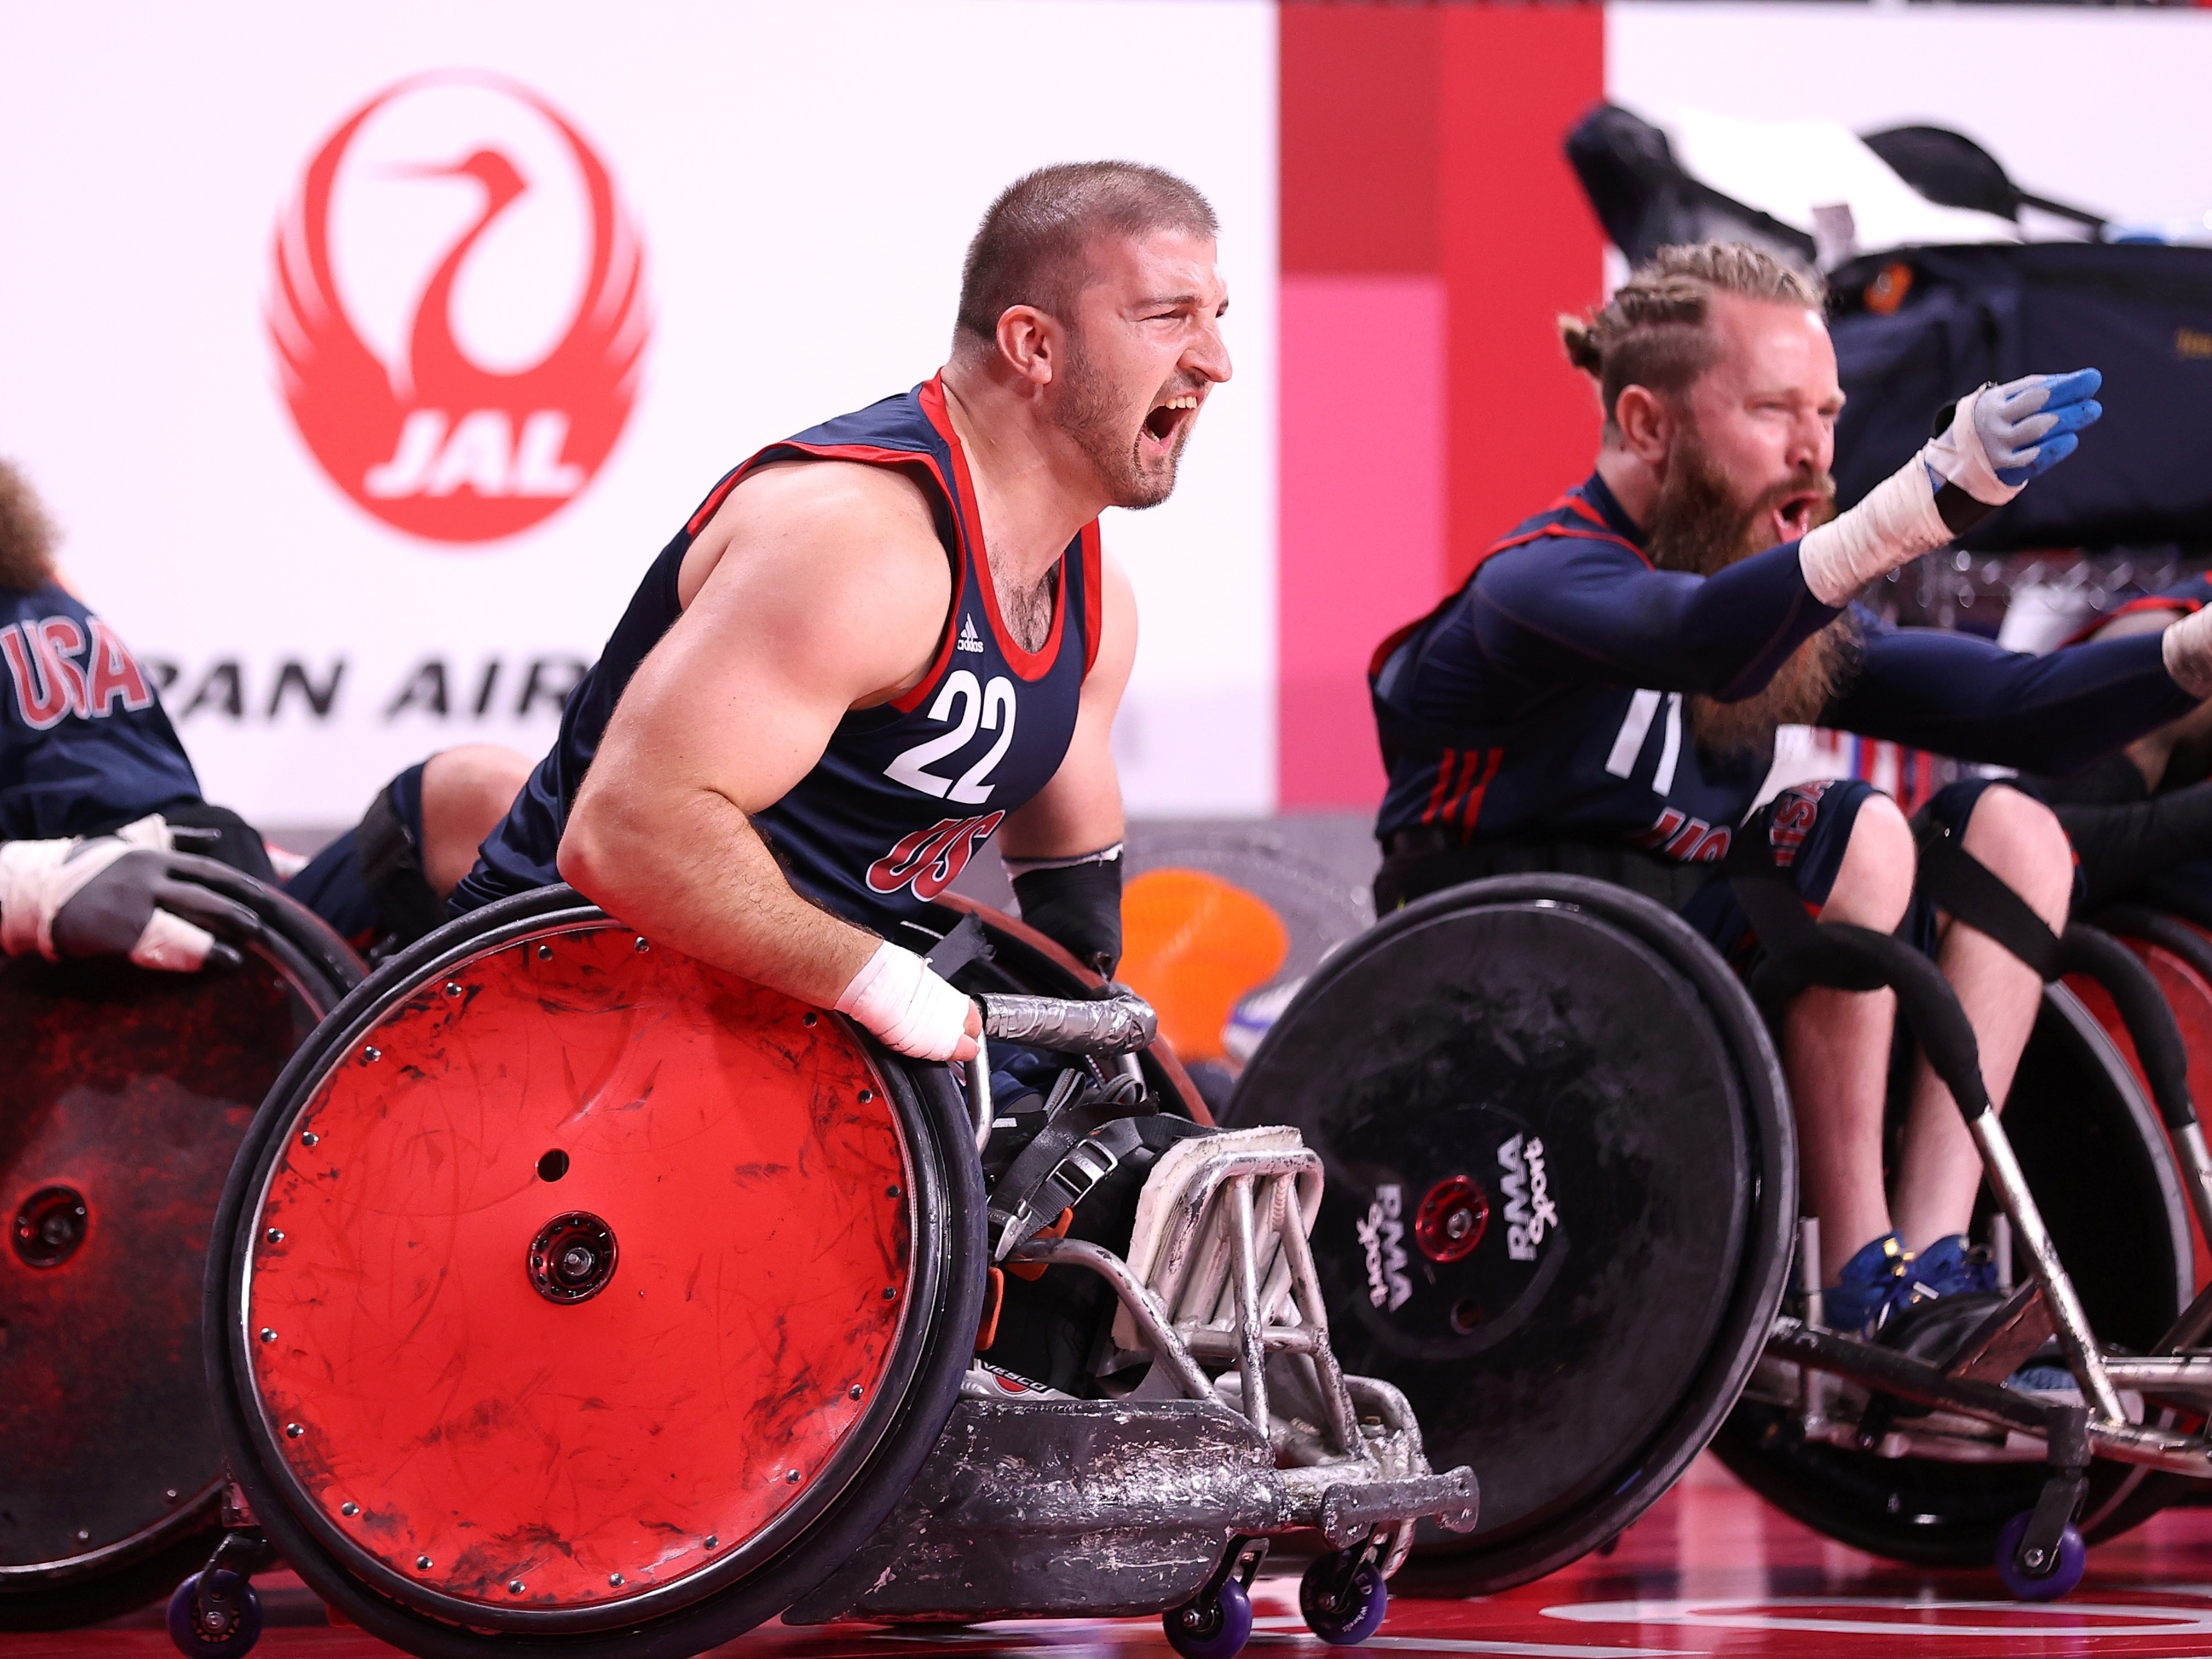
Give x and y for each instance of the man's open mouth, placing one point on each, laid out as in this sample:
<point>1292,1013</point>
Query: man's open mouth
<point>1168,418</point>
<point>1797,513</point>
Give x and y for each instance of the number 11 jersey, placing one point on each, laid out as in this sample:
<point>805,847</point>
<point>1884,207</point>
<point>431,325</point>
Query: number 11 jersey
<point>907,792</point>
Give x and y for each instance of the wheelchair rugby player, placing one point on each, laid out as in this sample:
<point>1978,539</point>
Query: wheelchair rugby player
<point>617,1267</point>
<point>1615,1016</point>
<point>158,973</point>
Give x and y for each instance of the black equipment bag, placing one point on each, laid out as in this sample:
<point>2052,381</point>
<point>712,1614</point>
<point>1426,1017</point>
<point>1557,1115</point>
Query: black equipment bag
<point>1917,328</point>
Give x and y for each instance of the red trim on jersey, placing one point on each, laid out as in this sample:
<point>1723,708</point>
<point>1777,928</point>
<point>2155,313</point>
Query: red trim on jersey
<point>1094,594</point>
<point>869,455</point>
<point>1029,664</point>
<point>2148,602</point>
<point>1375,664</point>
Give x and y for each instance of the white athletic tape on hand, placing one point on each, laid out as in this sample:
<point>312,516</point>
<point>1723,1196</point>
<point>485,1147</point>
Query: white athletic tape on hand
<point>2187,648</point>
<point>913,1011</point>
<point>1958,455</point>
<point>172,944</point>
<point>1893,527</point>
<point>38,877</point>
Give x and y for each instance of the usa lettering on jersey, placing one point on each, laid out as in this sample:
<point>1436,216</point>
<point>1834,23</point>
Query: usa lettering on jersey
<point>58,670</point>
<point>1682,837</point>
<point>930,860</point>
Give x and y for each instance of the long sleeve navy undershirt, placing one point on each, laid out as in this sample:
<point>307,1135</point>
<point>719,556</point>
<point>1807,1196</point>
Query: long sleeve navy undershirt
<point>1581,611</point>
<point>1962,695</point>
<point>1578,611</point>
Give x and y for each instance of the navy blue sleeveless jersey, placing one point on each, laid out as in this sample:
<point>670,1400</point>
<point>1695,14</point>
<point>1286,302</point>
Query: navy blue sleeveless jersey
<point>85,745</point>
<point>1545,698</point>
<point>905,792</point>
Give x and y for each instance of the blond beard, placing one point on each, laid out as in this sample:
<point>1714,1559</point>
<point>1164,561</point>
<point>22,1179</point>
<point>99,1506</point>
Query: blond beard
<point>1697,526</point>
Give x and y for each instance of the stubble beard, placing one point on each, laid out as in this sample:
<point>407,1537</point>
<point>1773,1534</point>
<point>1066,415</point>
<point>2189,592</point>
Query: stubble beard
<point>1698,525</point>
<point>1102,429</point>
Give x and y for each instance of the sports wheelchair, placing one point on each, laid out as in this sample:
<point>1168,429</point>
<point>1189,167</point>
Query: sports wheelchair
<point>1561,1215</point>
<point>570,1296</point>
<point>128,1093</point>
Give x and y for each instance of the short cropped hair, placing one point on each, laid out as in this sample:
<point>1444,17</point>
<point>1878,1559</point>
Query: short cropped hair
<point>27,534</point>
<point>1031,247</point>
<point>1652,331</point>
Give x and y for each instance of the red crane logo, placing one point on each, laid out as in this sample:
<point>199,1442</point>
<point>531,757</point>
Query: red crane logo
<point>424,437</point>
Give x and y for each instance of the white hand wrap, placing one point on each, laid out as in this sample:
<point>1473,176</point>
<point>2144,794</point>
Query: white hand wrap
<point>38,877</point>
<point>1897,521</point>
<point>2187,648</point>
<point>913,1011</point>
<point>1959,455</point>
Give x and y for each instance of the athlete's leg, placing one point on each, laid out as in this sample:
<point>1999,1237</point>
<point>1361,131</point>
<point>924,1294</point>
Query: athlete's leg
<point>1939,1171</point>
<point>465,792</point>
<point>1835,1047</point>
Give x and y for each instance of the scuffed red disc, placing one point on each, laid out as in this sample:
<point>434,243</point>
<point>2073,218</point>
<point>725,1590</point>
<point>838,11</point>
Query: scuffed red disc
<point>498,1445</point>
<point>130,1089</point>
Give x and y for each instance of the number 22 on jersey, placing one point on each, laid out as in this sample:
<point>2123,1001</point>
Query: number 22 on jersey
<point>987,708</point>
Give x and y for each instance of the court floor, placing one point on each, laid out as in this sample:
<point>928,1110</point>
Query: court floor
<point>1709,1570</point>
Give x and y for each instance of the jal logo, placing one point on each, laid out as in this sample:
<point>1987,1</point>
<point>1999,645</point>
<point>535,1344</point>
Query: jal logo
<point>458,308</point>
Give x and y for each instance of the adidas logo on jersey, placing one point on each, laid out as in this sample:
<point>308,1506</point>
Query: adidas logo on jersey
<point>969,640</point>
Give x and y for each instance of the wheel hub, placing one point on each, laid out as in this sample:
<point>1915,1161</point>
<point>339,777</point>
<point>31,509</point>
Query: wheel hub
<point>1452,1219</point>
<point>573,1257</point>
<point>51,1225</point>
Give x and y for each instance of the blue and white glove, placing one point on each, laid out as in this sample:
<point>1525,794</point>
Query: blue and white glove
<point>2001,436</point>
<point>1996,439</point>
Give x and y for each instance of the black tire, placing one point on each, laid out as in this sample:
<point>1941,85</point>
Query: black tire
<point>1576,1013</point>
<point>155,1054</point>
<point>870,1474</point>
<point>2096,1158</point>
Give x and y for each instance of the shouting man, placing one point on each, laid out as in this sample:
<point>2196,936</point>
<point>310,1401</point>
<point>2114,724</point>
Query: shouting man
<point>879,644</point>
<point>1601,696</point>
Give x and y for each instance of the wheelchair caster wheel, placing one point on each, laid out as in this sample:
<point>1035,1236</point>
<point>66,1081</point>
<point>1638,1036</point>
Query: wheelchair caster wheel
<point>2061,1576</point>
<point>1214,1628</point>
<point>1344,1616</point>
<point>223,1623</point>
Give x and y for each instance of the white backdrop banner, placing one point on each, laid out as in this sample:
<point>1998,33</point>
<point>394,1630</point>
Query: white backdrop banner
<point>367,357</point>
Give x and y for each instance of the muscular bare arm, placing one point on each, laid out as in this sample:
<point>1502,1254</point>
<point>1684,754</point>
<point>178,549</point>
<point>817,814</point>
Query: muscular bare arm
<point>1080,810</point>
<point>817,588</point>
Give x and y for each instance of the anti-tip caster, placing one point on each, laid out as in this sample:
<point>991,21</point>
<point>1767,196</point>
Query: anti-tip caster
<point>1211,1626</point>
<point>214,1614</point>
<point>1343,1599</point>
<point>2063,1573</point>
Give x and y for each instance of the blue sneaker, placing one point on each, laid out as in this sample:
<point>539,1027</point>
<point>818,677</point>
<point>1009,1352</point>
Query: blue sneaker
<point>1949,1267</point>
<point>1869,1286</point>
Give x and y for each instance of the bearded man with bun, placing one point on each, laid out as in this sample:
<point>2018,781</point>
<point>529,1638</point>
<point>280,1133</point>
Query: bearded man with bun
<point>1601,696</point>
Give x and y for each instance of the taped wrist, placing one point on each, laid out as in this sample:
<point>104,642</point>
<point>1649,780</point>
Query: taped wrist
<point>910,1008</point>
<point>1893,527</point>
<point>1967,488</point>
<point>1075,902</point>
<point>1939,495</point>
<point>32,886</point>
<point>2187,649</point>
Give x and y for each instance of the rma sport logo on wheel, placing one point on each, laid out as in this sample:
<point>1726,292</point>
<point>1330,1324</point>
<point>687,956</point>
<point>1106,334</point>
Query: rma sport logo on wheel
<point>458,308</point>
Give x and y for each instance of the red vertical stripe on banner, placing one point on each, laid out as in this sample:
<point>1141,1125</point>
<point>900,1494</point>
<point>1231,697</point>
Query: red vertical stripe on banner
<point>1432,231</point>
<point>1519,246</point>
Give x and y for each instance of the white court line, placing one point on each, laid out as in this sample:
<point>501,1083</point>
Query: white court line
<point>1454,1644</point>
<point>1771,1613</point>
